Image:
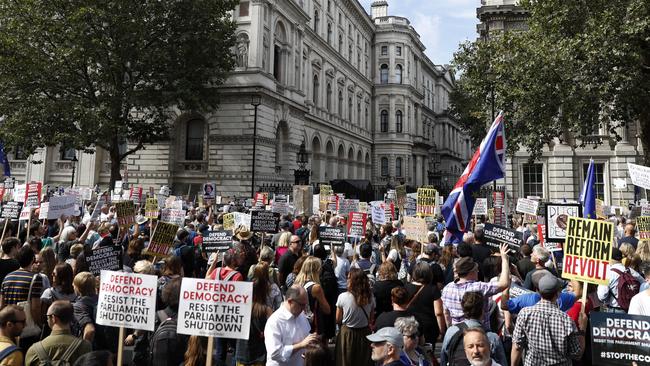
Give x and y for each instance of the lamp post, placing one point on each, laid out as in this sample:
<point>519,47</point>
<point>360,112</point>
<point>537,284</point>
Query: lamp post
<point>301,174</point>
<point>74,161</point>
<point>256,100</point>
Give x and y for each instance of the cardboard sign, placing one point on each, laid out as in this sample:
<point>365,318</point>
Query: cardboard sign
<point>357,224</point>
<point>600,209</point>
<point>557,215</point>
<point>619,339</point>
<point>280,204</point>
<point>173,216</point>
<point>215,309</point>
<point>25,214</point>
<point>480,207</point>
<point>260,200</point>
<point>217,241</point>
<point>162,239</point>
<point>61,205</point>
<point>348,205</point>
<point>378,213</point>
<point>43,211</point>
<point>265,221</point>
<point>416,228</point>
<point>643,226</point>
<point>496,235</point>
<point>151,208</point>
<point>11,210</point>
<point>127,300</point>
<point>527,206</point>
<point>229,221</point>
<point>209,191</point>
<point>640,175</point>
<point>400,193</point>
<point>105,258</point>
<point>303,200</point>
<point>325,192</point>
<point>33,194</point>
<point>588,250</point>
<point>331,236</point>
<point>125,212</point>
<point>426,201</point>
<point>9,183</point>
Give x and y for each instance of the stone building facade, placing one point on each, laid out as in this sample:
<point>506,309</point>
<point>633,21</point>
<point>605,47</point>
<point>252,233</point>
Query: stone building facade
<point>356,90</point>
<point>560,172</point>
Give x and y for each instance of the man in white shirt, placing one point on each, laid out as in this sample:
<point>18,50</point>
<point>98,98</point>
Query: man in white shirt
<point>640,303</point>
<point>286,334</point>
<point>608,294</point>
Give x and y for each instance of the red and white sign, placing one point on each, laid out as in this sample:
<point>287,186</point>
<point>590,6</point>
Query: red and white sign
<point>33,194</point>
<point>127,300</point>
<point>357,224</point>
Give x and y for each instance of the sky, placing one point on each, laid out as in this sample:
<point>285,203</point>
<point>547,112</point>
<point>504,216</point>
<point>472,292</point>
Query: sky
<point>442,24</point>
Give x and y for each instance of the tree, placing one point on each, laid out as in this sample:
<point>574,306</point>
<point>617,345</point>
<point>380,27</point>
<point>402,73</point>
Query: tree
<point>581,65</point>
<point>92,73</point>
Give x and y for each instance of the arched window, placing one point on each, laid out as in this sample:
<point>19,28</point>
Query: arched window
<point>316,86</point>
<point>383,74</point>
<point>316,21</point>
<point>329,97</point>
<point>350,109</point>
<point>384,167</point>
<point>398,121</point>
<point>398,74</point>
<point>383,121</point>
<point>340,104</point>
<point>194,139</point>
<point>329,33</point>
<point>398,167</point>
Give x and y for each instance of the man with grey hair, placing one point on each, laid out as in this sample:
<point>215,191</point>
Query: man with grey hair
<point>286,334</point>
<point>386,346</point>
<point>539,257</point>
<point>477,348</point>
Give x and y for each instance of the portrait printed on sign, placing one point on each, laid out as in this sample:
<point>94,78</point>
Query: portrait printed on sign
<point>557,217</point>
<point>209,191</point>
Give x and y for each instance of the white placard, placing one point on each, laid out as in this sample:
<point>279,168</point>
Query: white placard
<point>127,300</point>
<point>176,217</point>
<point>527,206</point>
<point>215,308</point>
<point>378,213</point>
<point>640,175</point>
<point>620,183</point>
<point>19,192</point>
<point>645,209</point>
<point>24,214</point>
<point>480,207</point>
<point>42,212</point>
<point>61,205</point>
<point>242,219</point>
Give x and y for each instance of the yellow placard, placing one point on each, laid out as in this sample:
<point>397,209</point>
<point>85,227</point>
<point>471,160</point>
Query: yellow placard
<point>587,250</point>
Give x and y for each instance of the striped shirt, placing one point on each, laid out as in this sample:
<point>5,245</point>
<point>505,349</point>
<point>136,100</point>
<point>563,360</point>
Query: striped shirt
<point>15,287</point>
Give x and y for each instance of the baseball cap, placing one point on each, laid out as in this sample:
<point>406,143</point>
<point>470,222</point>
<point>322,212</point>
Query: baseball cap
<point>387,334</point>
<point>431,249</point>
<point>549,284</point>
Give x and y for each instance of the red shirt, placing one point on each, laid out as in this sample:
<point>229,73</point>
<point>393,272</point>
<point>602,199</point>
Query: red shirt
<point>574,312</point>
<point>223,273</point>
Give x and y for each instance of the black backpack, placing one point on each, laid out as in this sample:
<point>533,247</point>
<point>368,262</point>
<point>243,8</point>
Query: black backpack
<point>165,343</point>
<point>456,352</point>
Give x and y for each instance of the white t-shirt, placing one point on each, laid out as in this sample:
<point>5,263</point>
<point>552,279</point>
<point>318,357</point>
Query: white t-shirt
<point>640,304</point>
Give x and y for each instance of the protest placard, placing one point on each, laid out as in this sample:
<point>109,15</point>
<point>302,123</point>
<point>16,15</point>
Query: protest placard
<point>173,216</point>
<point>426,201</point>
<point>416,228</point>
<point>332,203</point>
<point>215,309</point>
<point>516,291</point>
<point>325,192</point>
<point>357,224</point>
<point>363,207</point>
<point>61,205</point>
<point>127,300</point>
<point>640,175</point>
<point>527,206</point>
<point>242,219</point>
<point>125,212</point>
<point>331,236</point>
<point>162,239</point>
<point>105,258</point>
<point>378,213</point>
<point>9,183</point>
<point>217,241</point>
<point>600,209</point>
<point>280,204</point>
<point>619,339</point>
<point>101,202</point>
<point>348,205</point>
<point>43,210</point>
<point>303,200</point>
<point>643,226</point>
<point>33,194</point>
<point>229,221</point>
<point>645,209</point>
<point>587,250</point>
<point>557,215</point>
<point>480,207</point>
<point>400,192</point>
<point>496,235</point>
<point>135,195</point>
<point>25,214</point>
<point>260,200</point>
<point>498,215</point>
<point>265,221</point>
<point>151,208</point>
<point>19,193</point>
<point>12,210</point>
<point>209,191</point>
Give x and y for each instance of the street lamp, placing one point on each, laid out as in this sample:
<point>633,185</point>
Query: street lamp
<point>256,100</point>
<point>74,161</point>
<point>302,159</point>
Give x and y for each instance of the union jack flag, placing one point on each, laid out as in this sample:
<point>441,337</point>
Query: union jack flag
<point>487,164</point>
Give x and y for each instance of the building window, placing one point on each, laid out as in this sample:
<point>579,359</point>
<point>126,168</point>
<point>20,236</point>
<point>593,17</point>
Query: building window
<point>366,120</point>
<point>329,33</point>
<point>329,97</point>
<point>19,153</point>
<point>350,109</point>
<point>67,153</point>
<point>350,52</point>
<point>340,104</point>
<point>359,113</point>
<point>384,167</point>
<point>316,21</point>
<point>384,50</point>
<point>194,139</point>
<point>383,121</point>
<point>599,173</point>
<point>277,64</point>
<point>398,167</point>
<point>398,121</point>
<point>316,85</point>
<point>383,74</point>
<point>398,74</point>
<point>398,51</point>
<point>329,6</point>
<point>243,8</point>
<point>533,180</point>
<point>340,43</point>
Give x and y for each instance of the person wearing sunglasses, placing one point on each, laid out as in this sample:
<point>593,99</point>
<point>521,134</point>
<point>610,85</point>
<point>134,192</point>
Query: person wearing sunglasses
<point>386,346</point>
<point>12,322</point>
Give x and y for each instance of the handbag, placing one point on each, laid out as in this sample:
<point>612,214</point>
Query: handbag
<point>31,329</point>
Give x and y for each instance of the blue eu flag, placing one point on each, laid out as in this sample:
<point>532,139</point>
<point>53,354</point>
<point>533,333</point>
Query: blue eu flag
<point>4,161</point>
<point>588,194</point>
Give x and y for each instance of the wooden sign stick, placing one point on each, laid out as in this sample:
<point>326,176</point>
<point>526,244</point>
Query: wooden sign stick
<point>120,346</point>
<point>4,230</point>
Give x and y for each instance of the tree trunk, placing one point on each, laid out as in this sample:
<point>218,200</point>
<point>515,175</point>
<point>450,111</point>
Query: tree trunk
<point>115,166</point>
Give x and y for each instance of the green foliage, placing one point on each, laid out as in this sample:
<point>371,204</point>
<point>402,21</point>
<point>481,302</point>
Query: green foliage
<point>582,64</point>
<point>90,73</point>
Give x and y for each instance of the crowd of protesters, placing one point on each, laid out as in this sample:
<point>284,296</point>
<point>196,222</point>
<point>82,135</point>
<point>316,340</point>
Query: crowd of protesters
<point>382,299</point>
